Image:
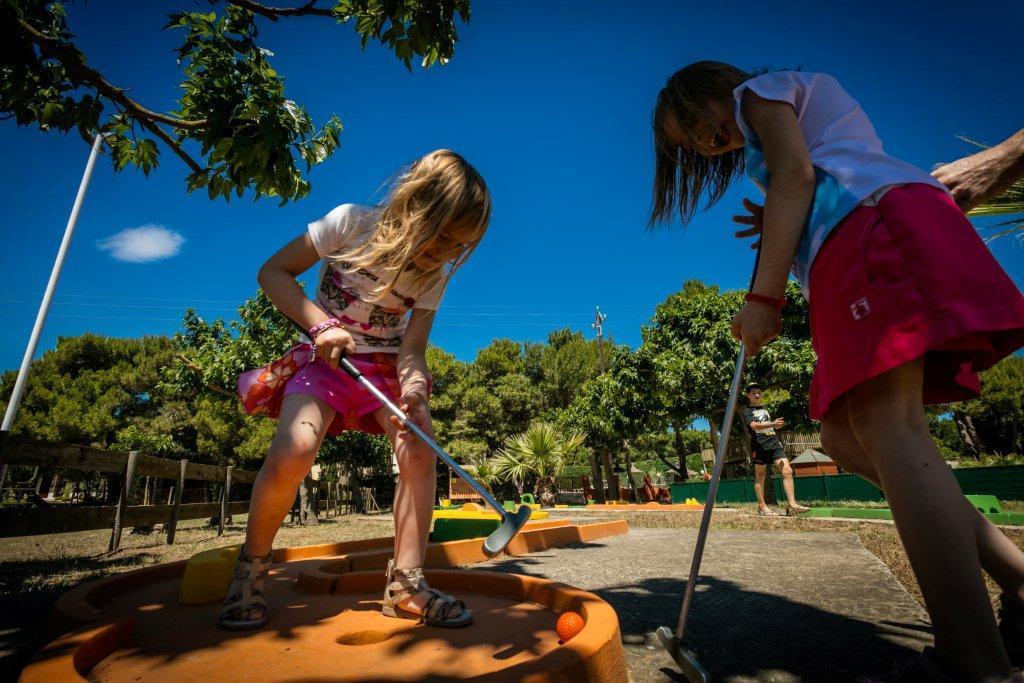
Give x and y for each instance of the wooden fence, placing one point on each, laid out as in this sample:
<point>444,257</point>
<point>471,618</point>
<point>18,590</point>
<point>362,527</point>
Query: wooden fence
<point>57,518</point>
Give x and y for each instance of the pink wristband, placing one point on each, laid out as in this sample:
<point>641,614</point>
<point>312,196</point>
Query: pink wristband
<point>325,325</point>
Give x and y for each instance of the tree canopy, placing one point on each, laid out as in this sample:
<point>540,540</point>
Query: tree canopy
<point>233,127</point>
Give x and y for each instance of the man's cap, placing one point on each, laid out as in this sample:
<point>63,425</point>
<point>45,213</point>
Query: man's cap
<point>754,385</point>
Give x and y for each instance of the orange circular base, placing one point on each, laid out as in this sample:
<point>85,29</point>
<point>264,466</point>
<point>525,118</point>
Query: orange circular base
<point>339,634</point>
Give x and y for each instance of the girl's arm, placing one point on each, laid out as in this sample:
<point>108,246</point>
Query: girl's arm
<point>789,193</point>
<point>277,279</point>
<point>413,374</point>
<point>785,211</point>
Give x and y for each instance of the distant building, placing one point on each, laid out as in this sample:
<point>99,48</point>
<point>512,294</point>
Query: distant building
<point>813,463</point>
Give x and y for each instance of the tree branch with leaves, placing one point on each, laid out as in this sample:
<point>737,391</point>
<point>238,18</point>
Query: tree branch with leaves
<point>234,128</point>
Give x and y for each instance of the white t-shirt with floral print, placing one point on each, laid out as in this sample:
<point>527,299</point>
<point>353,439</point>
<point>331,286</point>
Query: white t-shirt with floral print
<point>343,292</point>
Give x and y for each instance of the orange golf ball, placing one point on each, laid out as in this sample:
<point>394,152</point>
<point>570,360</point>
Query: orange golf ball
<point>569,624</point>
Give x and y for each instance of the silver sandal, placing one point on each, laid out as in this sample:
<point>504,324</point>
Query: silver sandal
<point>250,571</point>
<point>402,584</point>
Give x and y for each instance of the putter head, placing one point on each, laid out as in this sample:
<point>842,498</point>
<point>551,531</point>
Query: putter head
<point>691,668</point>
<point>511,523</point>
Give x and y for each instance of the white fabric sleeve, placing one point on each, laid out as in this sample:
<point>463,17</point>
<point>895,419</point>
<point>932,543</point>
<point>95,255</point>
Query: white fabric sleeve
<point>781,86</point>
<point>430,299</point>
<point>332,232</point>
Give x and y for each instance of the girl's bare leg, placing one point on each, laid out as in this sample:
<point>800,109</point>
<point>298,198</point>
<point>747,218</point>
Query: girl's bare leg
<point>302,425</point>
<point>414,502</point>
<point>934,520</point>
<point>1003,560</point>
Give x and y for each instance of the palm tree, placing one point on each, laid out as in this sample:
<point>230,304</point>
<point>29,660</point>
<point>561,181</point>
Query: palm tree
<point>542,450</point>
<point>1009,203</point>
<point>484,471</point>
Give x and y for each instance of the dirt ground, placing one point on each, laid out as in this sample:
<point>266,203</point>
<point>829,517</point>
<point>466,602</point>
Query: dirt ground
<point>36,570</point>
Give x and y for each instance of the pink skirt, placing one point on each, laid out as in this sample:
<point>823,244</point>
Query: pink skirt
<point>905,279</point>
<point>299,372</point>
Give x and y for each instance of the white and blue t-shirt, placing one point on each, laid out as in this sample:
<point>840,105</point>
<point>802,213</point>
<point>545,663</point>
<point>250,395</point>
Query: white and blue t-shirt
<point>850,166</point>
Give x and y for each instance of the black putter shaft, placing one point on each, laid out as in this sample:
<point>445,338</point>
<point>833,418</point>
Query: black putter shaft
<point>673,641</point>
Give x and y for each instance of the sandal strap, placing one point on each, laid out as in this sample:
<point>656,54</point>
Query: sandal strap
<point>234,605</point>
<point>405,583</point>
<point>249,568</point>
<point>440,605</point>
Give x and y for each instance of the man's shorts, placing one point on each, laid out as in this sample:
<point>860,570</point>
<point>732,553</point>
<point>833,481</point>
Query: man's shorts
<point>768,457</point>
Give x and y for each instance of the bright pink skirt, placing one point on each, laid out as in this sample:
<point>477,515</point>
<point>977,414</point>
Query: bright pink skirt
<point>905,279</point>
<point>299,372</point>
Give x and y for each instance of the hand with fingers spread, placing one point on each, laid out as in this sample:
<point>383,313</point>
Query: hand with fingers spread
<point>755,325</point>
<point>755,219</point>
<point>416,405</point>
<point>332,344</point>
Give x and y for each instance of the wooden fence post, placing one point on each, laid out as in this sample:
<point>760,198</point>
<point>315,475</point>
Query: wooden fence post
<point>176,510</point>
<point>122,500</point>
<point>225,495</point>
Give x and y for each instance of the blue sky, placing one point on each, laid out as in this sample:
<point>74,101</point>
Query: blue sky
<point>551,101</point>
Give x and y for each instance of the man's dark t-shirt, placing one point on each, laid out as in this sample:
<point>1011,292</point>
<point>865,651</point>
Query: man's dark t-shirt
<point>767,447</point>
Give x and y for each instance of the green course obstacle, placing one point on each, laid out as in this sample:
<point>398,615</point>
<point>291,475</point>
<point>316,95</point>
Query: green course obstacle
<point>461,529</point>
<point>1006,518</point>
<point>985,504</point>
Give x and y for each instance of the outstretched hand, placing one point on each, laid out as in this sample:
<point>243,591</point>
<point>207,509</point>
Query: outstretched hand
<point>755,219</point>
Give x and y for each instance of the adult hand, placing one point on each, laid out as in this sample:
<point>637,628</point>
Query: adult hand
<point>983,176</point>
<point>333,343</point>
<point>779,423</point>
<point>756,325</point>
<point>755,219</point>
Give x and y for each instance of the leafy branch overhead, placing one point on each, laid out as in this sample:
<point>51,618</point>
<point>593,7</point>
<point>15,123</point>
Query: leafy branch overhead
<point>234,127</point>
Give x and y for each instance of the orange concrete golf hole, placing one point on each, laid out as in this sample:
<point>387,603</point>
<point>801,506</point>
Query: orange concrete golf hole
<point>332,629</point>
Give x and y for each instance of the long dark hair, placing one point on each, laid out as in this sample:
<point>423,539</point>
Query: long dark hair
<point>681,175</point>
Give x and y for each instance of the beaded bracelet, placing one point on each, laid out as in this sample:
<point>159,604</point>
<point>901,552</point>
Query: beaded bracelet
<point>778,303</point>
<point>320,327</point>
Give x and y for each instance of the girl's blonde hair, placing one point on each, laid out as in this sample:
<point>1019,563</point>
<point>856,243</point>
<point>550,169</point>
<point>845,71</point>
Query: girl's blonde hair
<point>438,190</point>
<point>680,174</point>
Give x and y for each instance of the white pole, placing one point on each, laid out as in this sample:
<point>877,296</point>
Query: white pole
<point>44,307</point>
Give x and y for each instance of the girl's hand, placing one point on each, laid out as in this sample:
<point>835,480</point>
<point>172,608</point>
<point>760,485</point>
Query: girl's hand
<point>416,405</point>
<point>756,325</point>
<point>332,344</point>
<point>755,219</point>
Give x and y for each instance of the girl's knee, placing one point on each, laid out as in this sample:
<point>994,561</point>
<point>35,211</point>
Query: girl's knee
<point>786,469</point>
<point>289,459</point>
<point>415,461</point>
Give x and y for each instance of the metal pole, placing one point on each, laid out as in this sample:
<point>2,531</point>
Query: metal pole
<point>709,504</point>
<point>44,307</point>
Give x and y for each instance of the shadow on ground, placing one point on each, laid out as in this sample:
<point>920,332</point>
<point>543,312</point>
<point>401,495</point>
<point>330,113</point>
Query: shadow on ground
<point>742,634</point>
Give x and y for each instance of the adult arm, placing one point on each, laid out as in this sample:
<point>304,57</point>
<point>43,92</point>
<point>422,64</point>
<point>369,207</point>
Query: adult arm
<point>983,176</point>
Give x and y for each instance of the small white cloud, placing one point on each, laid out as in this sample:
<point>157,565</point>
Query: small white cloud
<point>143,244</point>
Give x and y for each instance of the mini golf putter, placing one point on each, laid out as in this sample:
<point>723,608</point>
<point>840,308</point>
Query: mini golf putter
<point>511,522</point>
<point>673,642</point>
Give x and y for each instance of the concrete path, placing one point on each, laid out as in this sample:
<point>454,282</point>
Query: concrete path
<point>779,606</point>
